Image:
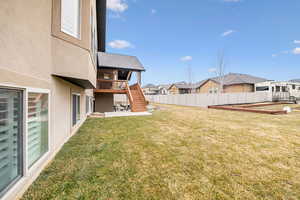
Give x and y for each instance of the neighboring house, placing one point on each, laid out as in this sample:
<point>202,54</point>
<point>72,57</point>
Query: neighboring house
<point>181,88</point>
<point>151,89</point>
<point>295,80</point>
<point>232,83</point>
<point>49,63</point>
<point>163,89</point>
<point>280,90</point>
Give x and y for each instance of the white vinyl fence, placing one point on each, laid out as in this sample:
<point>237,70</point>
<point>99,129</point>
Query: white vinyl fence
<point>121,99</point>
<point>204,100</point>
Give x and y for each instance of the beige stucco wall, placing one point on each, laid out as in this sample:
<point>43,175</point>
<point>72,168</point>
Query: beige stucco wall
<point>29,55</point>
<point>27,45</point>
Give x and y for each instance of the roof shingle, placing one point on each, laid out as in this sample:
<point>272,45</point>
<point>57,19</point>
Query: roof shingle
<point>107,60</point>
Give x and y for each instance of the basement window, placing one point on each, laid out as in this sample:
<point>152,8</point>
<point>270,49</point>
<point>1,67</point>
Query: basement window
<point>38,126</point>
<point>75,108</point>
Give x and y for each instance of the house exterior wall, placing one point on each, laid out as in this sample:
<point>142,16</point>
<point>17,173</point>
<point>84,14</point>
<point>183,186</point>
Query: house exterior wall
<point>210,86</point>
<point>104,102</point>
<point>174,90</point>
<point>83,67</point>
<point>206,87</point>
<point>239,88</point>
<point>30,54</point>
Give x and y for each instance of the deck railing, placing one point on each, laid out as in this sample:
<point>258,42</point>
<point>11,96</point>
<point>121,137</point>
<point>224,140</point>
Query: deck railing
<point>111,84</point>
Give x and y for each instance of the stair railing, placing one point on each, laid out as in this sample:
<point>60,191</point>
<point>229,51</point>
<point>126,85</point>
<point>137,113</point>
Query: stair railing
<point>129,93</point>
<point>141,91</point>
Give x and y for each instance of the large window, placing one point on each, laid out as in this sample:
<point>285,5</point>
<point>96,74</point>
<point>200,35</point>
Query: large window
<point>37,126</point>
<point>70,17</point>
<point>11,123</point>
<point>75,108</point>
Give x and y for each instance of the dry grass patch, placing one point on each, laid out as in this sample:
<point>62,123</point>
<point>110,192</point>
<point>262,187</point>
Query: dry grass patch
<point>178,153</point>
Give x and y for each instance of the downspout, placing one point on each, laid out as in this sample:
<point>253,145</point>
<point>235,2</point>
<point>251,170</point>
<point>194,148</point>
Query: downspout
<point>101,24</point>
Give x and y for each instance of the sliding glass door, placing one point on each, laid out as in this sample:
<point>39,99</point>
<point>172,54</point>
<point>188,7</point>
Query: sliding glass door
<point>11,131</point>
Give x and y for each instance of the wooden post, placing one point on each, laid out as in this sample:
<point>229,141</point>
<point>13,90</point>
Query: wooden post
<point>139,77</point>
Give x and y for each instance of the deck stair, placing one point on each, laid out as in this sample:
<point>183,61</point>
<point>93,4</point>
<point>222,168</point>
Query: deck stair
<point>137,99</point>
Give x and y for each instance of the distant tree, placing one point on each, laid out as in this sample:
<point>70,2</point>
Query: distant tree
<point>221,67</point>
<point>219,70</point>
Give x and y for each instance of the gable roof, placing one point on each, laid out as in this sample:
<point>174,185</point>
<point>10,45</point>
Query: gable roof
<point>150,86</point>
<point>234,78</point>
<point>164,86</point>
<point>182,85</point>
<point>118,61</point>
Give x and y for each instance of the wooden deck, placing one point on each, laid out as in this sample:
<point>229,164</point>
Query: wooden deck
<point>110,91</point>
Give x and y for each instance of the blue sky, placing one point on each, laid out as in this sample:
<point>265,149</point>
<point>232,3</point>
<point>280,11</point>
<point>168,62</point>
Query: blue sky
<point>258,37</point>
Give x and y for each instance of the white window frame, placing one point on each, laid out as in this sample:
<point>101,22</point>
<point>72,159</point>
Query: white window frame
<point>26,171</point>
<point>78,35</point>
<point>80,99</point>
<point>89,109</point>
<point>46,154</point>
<point>13,184</point>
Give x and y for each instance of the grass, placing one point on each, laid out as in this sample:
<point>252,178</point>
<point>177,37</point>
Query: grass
<point>178,153</point>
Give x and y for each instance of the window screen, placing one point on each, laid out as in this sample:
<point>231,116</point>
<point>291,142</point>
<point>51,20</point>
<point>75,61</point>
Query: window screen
<point>37,126</point>
<point>11,122</point>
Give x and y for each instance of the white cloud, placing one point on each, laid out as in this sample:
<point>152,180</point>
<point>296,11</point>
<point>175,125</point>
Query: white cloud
<point>186,58</point>
<point>297,41</point>
<point>117,5</point>
<point>274,55</point>
<point>229,32</point>
<point>120,44</point>
<point>153,11</point>
<point>296,50</point>
<point>212,70</point>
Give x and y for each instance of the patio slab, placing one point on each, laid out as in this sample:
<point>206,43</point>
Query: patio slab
<point>126,114</point>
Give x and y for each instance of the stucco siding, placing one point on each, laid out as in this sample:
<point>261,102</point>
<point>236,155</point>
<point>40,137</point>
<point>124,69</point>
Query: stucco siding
<point>29,57</point>
<point>25,42</point>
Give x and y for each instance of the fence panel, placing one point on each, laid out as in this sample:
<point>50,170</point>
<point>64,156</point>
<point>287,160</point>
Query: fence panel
<point>204,100</point>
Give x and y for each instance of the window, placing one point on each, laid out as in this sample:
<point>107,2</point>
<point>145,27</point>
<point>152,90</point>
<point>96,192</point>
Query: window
<point>70,17</point>
<point>263,88</point>
<point>107,76</point>
<point>294,87</point>
<point>37,119</point>
<point>284,89</point>
<point>75,108</point>
<point>89,104</point>
<point>94,45</point>
<point>11,131</point>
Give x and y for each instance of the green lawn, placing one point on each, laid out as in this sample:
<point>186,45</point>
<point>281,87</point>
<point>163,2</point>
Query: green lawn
<point>178,153</point>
